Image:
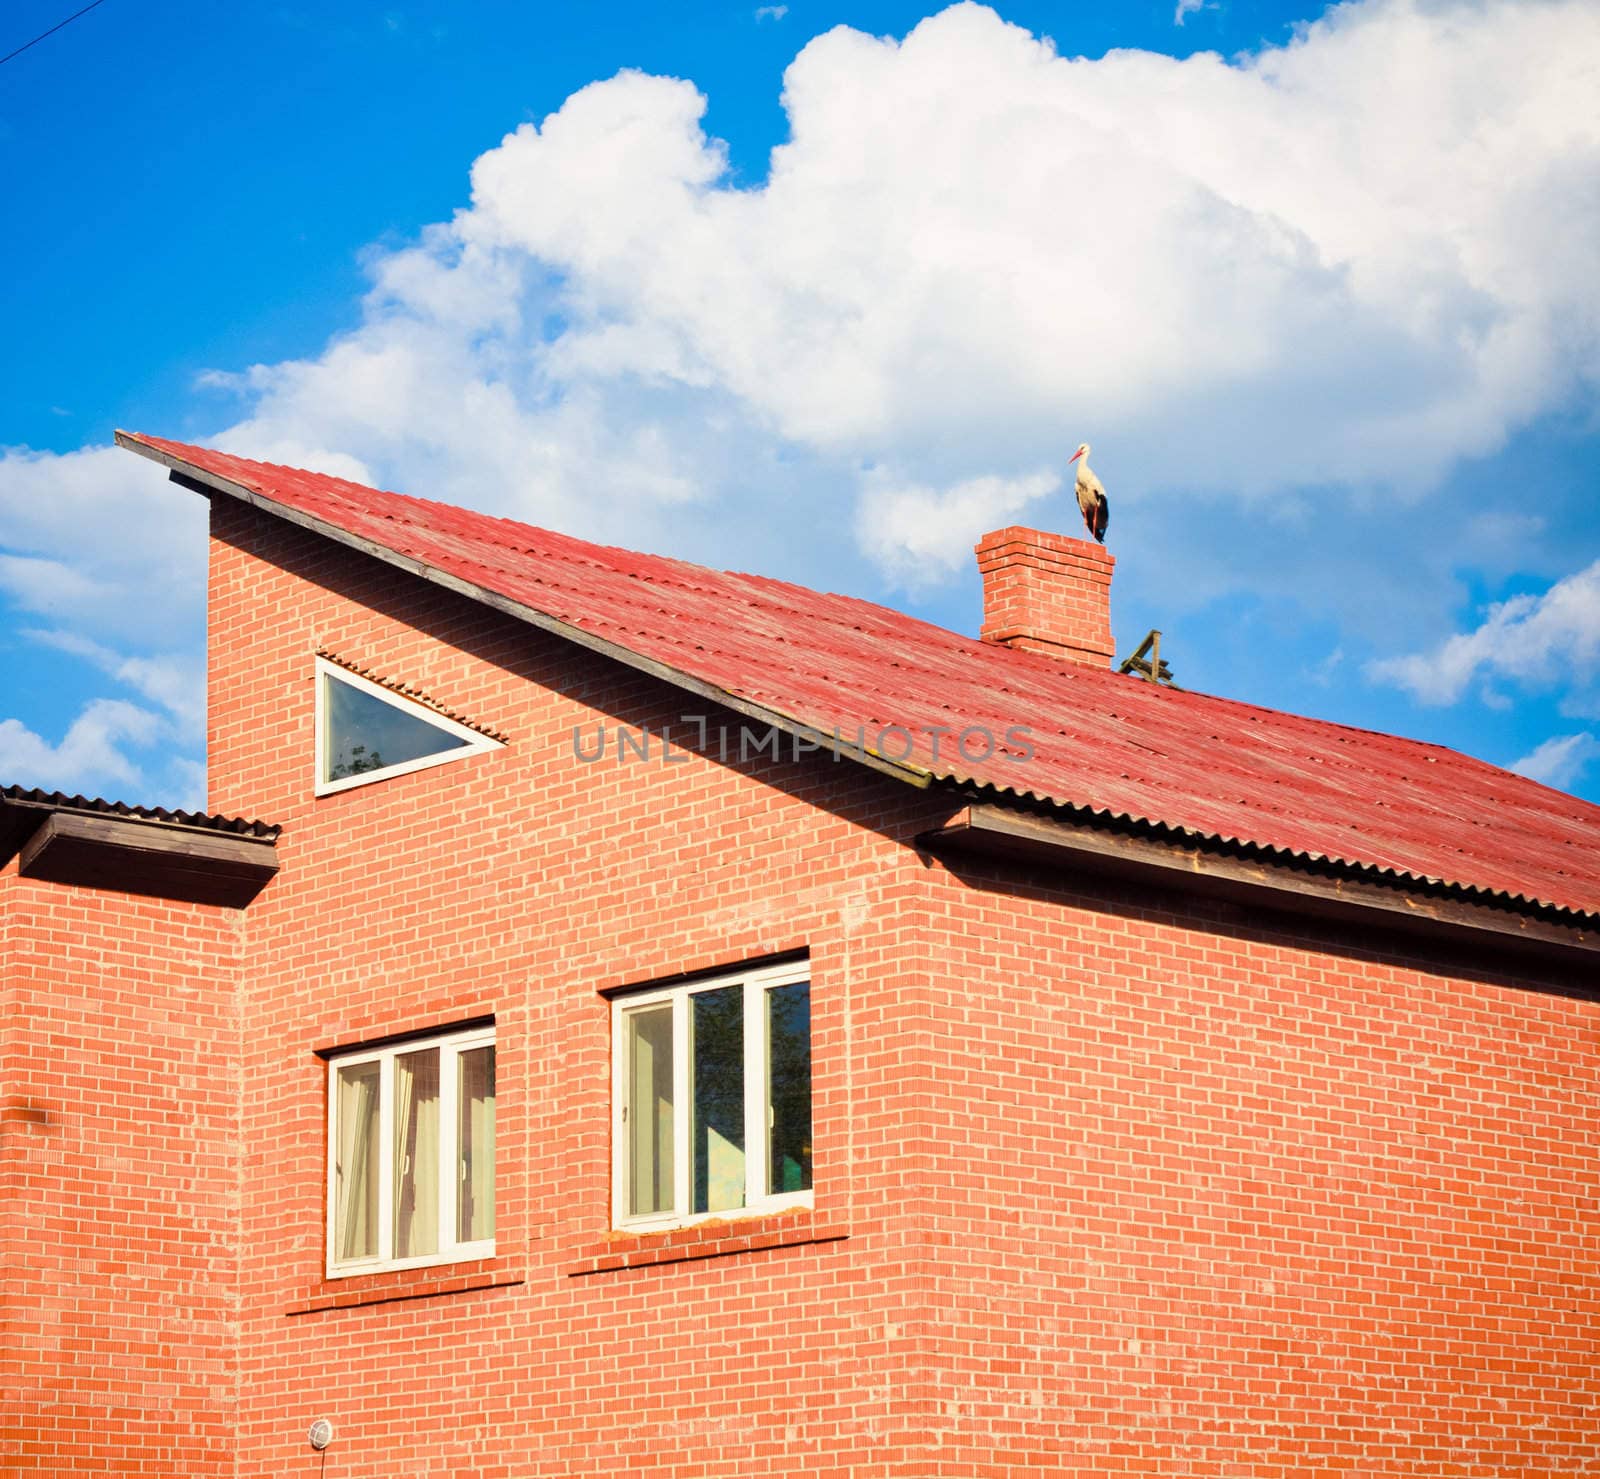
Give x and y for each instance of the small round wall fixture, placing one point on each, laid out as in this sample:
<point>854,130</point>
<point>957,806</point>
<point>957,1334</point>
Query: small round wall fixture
<point>321,1434</point>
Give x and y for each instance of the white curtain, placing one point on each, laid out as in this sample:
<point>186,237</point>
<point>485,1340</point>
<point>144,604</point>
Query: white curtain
<point>356,1206</point>
<point>416,1149</point>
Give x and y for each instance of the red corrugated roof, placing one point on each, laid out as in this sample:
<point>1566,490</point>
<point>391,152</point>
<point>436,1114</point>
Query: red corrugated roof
<point>1106,745</point>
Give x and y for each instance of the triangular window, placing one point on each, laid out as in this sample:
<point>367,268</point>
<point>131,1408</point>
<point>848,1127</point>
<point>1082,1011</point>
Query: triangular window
<point>366,733</point>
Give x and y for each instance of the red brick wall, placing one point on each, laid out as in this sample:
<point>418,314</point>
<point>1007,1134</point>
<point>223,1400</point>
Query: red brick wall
<point>119,1182</point>
<point>1216,1198</point>
<point>1105,1183</point>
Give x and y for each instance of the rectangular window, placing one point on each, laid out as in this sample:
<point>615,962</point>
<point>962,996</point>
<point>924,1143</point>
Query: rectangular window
<point>411,1153</point>
<point>712,1097</point>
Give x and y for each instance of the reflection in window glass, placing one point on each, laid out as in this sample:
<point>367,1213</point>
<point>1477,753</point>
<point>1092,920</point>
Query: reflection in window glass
<point>649,1109</point>
<point>711,1109</point>
<point>789,1087</point>
<point>363,733</point>
<point>718,1029</point>
<point>475,1125</point>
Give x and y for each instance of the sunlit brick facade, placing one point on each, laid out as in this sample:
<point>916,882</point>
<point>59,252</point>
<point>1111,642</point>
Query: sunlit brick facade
<point>1109,1177</point>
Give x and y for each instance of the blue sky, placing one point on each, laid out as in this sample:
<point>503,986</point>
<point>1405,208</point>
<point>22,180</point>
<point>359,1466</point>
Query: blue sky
<point>1318,285</point>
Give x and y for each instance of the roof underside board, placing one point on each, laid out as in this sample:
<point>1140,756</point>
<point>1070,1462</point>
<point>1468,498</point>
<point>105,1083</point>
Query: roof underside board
<point>1319,890</point>
<point>136,849</point>
<point>899,693</point>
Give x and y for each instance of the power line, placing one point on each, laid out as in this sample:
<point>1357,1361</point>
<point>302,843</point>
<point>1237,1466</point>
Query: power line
<point>51,32</point>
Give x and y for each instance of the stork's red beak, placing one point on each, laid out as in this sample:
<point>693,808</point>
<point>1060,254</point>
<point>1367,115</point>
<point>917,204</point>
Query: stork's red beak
<point>1075,456</point>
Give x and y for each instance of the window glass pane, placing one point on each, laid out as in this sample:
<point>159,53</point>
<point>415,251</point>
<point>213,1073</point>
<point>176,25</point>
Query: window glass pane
<point>789,1087</point>
<point>647,1035</point>
<point>362,733</point>
<point>717,1024</point>
<point>355,1167</point>
<point>475,1207</point>
<point>416,1153</point>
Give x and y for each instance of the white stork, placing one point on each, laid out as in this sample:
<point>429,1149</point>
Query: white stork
<point>1092,502</point>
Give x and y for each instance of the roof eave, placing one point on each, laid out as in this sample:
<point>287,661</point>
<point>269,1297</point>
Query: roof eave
<point>1138,824</point>
<point>1328,891</point>
<point>98,847</point>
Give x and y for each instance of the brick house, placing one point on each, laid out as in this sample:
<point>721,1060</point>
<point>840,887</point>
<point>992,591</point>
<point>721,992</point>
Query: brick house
<point>672,1022</point>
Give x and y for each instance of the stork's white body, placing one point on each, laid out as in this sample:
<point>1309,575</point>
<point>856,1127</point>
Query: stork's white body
<point>1092,501</point>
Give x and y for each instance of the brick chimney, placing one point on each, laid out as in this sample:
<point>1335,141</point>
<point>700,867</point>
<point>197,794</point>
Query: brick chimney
<point>1047,593</point>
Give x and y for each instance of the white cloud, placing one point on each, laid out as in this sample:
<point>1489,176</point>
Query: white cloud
<point>91,756</point>
<point>1536,640</point>
<point>1560,761</point>
<point>1321,673</point>
<point>1351,260</point>
<point>918,534</point>
<point>771,12</point>
<point>100,541</point>
<point>1185,9</point>
<point>176,681</point>
<point>105,548</point>
<point>38,584</point>
<point>185,784</point>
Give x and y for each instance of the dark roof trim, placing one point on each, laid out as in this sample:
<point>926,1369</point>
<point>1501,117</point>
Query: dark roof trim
<point>137,850</point>
<point>1137,826</point>
<point>200,480</point>
<point>1323,890</point>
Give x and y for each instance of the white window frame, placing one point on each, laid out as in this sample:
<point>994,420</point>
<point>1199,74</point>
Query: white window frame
<point>451,1046</point>
<point>476,743</point>
<point>756,984</point>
